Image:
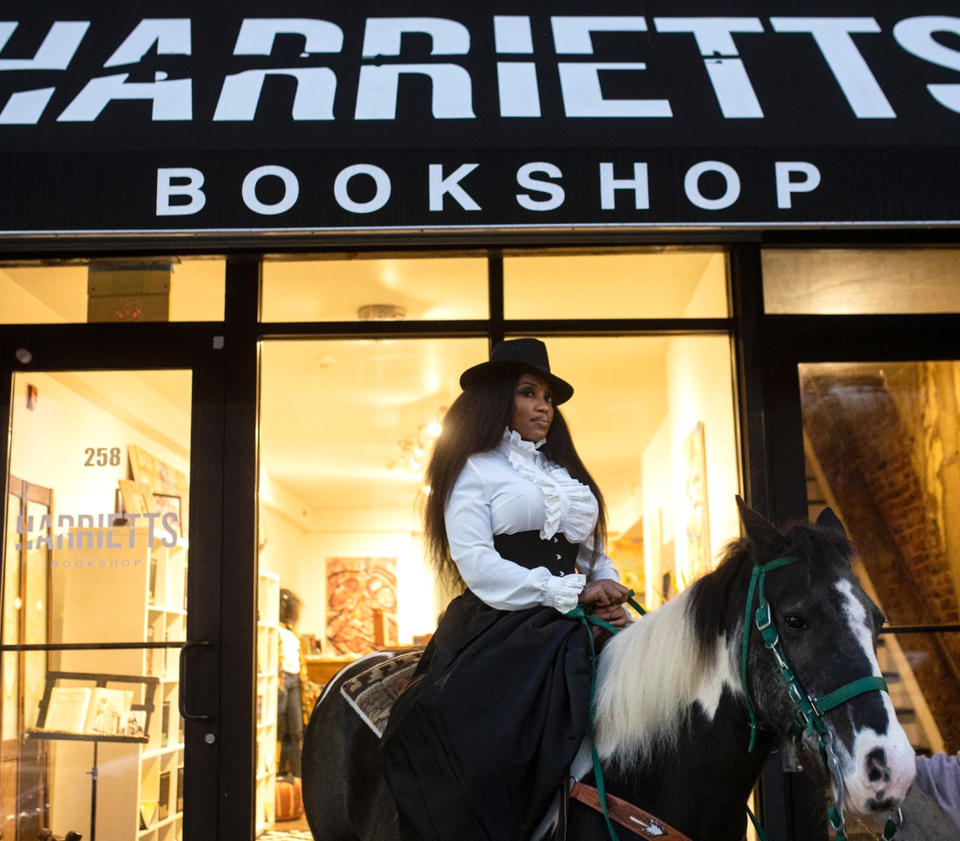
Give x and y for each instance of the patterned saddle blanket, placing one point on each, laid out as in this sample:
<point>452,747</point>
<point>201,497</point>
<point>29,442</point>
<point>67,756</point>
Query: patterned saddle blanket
<point>371,692</point>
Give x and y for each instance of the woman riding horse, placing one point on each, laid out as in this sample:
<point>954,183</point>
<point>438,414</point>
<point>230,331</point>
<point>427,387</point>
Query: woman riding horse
<point>479,744</point>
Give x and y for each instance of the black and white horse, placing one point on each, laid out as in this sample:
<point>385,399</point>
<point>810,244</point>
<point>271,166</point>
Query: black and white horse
<point>676,702</point>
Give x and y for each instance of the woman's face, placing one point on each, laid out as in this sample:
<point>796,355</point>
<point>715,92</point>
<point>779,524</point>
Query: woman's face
<point>532,408</point>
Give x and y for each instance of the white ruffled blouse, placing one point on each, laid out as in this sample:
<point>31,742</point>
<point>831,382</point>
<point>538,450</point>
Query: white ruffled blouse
<point>515,488</point>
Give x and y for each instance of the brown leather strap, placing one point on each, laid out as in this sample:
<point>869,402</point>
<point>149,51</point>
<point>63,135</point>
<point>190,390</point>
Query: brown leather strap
<point>626,814</point>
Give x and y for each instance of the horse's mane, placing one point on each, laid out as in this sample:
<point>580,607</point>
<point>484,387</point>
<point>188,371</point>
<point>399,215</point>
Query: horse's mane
<point>652,673</point>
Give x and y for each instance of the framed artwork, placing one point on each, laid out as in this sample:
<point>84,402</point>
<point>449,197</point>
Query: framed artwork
<point>695,495</point>
<point>361,604</point>
<point>137,497</point>
<point>162,478</point>
<point>169,504</point>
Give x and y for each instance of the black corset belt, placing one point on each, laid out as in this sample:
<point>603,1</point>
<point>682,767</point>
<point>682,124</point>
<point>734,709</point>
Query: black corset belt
<point>528,549</point>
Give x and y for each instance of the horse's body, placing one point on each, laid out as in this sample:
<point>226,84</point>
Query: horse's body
<point>671,720</point>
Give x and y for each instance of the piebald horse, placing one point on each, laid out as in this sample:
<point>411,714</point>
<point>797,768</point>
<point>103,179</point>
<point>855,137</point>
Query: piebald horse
<point>776,645</point>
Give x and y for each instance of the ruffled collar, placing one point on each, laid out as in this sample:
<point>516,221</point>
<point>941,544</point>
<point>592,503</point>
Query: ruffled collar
<point>569,506</point>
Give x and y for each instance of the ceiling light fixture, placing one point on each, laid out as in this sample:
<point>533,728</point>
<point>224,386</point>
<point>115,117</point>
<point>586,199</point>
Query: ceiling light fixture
<point>417,446</point>
<point>381,312</point>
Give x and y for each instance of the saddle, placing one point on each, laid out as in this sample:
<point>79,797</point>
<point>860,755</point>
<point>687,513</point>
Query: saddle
<point>372,692</point>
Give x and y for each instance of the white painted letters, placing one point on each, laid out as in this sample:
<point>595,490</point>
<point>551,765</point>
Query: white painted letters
<point>915,35</point>
<point>380,179</point>
<point>440,186</point>
<point>786,186</point>
<point>580,81</point>
<point>639,184</point>
<point>291,190</point>
<point>832,36</point>
<point>526,180</point>
<point>192,190</point>
<point>691,185</point>
<point>729,78</point>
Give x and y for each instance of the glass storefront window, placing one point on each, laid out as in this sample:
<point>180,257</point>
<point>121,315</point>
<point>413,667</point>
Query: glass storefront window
<point>676,284</point>
<point>341,475</point>
<point>161,289</point>
<point>840,281</point>
<point>375,289</point>
<point>881,446</point>
<point>95,554</point>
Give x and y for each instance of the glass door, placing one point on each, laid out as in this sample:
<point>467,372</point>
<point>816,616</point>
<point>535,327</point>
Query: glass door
<point>881,444</point>
<point>109,698</point>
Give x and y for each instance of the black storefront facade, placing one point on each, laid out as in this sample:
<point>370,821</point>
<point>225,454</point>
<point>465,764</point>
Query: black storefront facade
<point>819,137</point>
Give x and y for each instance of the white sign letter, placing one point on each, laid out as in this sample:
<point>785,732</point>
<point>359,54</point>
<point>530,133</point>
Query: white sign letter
<point>786,187</point>
<point>171,35</point>
<point>316,88</point>
<point>580,81</point>
<point>691,185</point>
<point>728,76</point>
<point>291,190</point>
<point>855,78</point>
<point>440,186</point>
<point>526,180</point>
<point>915,35</point>
<point>55,53</point>
<point>516,80</point>
<point>639,184</point>
<point>171,100</point>
<point>380,179</point>
<point>166,190</point>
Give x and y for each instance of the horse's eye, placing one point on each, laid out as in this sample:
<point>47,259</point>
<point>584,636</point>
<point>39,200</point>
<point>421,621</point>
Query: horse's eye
<point>797,623</point>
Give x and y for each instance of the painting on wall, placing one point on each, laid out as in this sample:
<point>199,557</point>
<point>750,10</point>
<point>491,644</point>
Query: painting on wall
<point>165,482</point>
<point>628,558</point>
<point>361,604</point>
<point>695,496</point>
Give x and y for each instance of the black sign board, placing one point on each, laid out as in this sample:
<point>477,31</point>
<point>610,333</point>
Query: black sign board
<point>167,116</point>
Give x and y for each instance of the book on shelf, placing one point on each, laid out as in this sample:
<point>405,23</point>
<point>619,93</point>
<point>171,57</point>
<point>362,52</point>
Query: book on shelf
<point>165,724</point>
<point>152,586</point>
<point>163,800</point>
<point>179,788</point>
<point>148,813</point>
<point>89,710</point>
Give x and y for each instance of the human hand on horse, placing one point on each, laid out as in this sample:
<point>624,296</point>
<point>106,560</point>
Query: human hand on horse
<point>604,599</point>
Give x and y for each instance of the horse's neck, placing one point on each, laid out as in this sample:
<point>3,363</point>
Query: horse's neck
<point>700,789</point>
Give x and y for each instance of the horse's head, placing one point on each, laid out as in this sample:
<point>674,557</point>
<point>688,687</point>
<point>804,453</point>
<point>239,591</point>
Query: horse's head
<point>827,628</point>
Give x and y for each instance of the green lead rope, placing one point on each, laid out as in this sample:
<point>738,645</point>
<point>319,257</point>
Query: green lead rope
<point>587,619</point>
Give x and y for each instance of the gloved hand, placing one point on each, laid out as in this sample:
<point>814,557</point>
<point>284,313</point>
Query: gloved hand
<point>563,591</point>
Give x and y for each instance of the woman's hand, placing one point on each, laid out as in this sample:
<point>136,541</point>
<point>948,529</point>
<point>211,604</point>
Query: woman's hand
<point>604,599</point>
<point>603,593</point>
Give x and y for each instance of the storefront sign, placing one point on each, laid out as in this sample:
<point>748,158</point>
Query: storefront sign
<point>348,116</point>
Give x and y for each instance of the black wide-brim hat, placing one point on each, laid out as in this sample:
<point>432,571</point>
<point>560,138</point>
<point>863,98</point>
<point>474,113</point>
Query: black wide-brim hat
<point>517,356</point>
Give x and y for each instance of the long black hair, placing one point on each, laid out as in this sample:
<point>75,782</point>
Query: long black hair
<point>475,423</point>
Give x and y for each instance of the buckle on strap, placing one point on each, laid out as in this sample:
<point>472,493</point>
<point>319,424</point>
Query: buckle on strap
<point>632,817</point>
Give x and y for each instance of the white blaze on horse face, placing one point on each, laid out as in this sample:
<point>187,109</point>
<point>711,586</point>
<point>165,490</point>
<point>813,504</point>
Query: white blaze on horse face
<point>871,783</point>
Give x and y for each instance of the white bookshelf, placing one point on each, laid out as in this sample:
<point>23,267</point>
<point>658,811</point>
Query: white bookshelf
<point>118,587</point>
<point>268,670</point>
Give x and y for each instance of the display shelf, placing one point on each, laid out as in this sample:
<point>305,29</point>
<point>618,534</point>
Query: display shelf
<point>139,594</point>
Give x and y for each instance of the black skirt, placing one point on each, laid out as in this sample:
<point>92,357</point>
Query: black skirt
<point>481,740</point>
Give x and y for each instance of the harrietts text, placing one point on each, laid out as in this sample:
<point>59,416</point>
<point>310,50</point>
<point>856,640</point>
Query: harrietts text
<point>95,531</point>
<point>577,64</point>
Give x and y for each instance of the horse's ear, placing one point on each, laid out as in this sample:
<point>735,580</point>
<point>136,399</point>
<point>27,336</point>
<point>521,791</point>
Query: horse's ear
<point>828,521</point>
<point>763,533</point>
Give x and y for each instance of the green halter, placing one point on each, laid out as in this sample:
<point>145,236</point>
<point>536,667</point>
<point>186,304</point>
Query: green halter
<point>809,710</point>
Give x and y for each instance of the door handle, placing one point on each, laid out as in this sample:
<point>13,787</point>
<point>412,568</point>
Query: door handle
<point>181,689</point>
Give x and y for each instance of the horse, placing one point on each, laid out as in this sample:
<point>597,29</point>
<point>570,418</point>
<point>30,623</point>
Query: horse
<point>775,647</point>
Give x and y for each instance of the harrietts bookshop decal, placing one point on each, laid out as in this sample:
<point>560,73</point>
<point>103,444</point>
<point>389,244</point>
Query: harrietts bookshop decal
<point>175,116</point>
